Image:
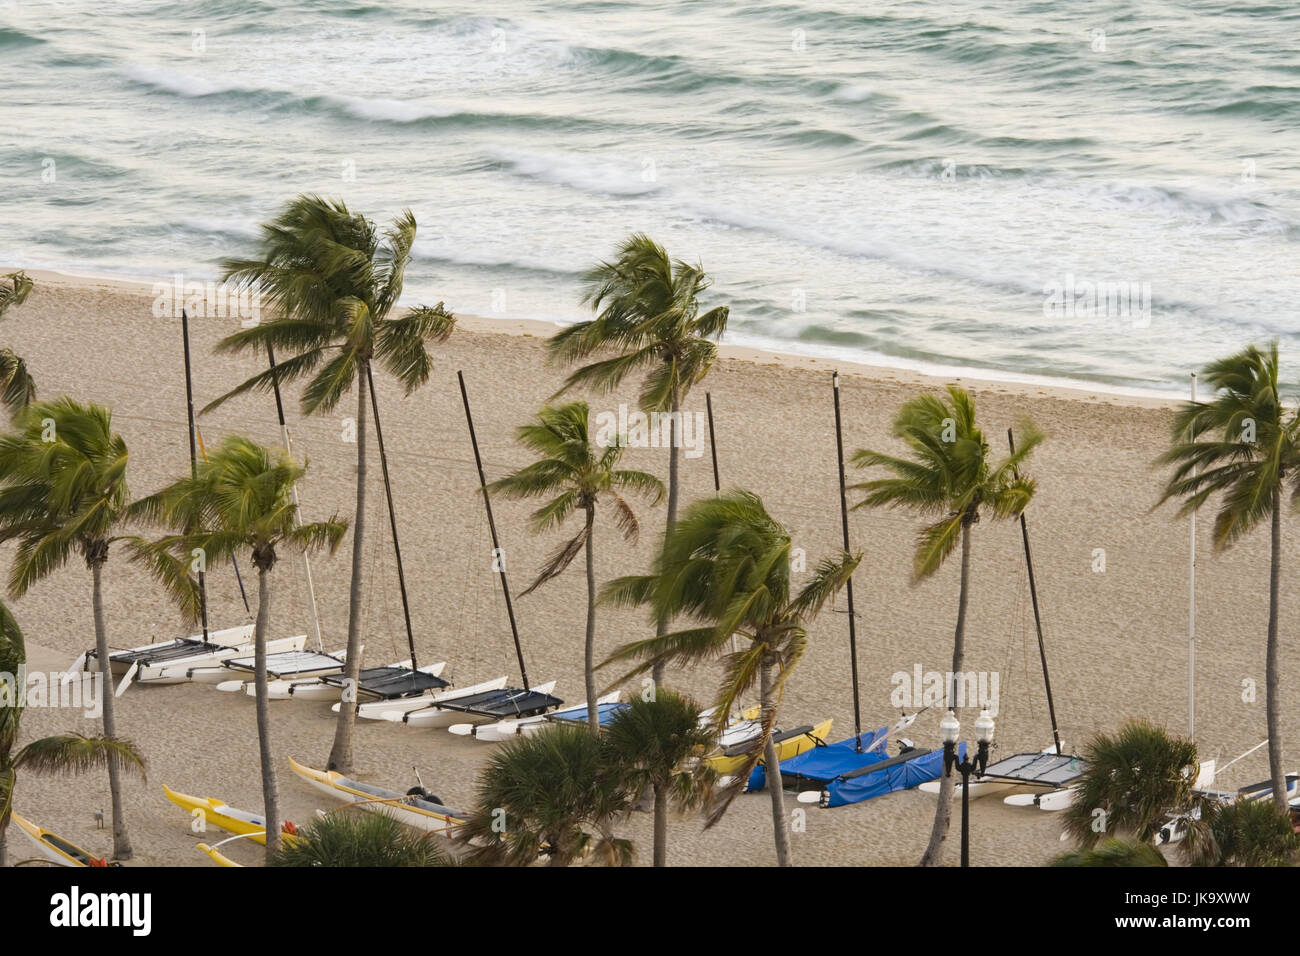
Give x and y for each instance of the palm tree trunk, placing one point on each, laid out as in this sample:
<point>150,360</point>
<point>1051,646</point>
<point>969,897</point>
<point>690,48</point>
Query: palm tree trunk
<point>661,627</point>
<point>121,842</point>
<point>593,711</point>
<point>661,826</point>
<point>341,753</point>
<point>270,793</point>
<point>933,855</point>
<point>1272,687</point>
<point>779,828</point>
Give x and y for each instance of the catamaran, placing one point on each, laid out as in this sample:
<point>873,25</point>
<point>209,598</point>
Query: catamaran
<point>285,665</point>
<point>606,708</point>
<point>415,808</point>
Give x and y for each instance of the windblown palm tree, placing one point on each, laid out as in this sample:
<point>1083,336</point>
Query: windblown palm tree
<point>334,281</point>
<point>656,745</point>
<point>65,753</point>
<point>726,565</point>
<point>648,310</point>
<point>951,476</point>
<point>17,390</point>
<point>550,795</point>
<point>356,838</point>
<point>579,475</point>
<point>240,499</point>
<point>1133,782</point>
<point>63,490</point>
<point>1252,455</point>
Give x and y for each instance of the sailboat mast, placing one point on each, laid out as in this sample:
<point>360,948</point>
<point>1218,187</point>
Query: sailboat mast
<point>492,527</point>
<point>234,561</point>
<point>848,585</point>
<point>392,518</point>
<point>288,446</point>
<point>1191,615</point>
<point>713,445</point>
<point>194,457</point>
<point>1038,622</point>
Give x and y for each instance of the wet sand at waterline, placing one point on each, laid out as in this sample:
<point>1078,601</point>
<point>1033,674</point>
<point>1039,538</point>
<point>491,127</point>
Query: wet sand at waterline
<point>1116,640</point>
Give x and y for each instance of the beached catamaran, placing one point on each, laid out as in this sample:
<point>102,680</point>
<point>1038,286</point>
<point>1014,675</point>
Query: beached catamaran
<point>500,703</point>
<point>168,662</point>
<point>860,767</point>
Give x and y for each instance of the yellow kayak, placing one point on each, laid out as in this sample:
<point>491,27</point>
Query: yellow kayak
<point>790,744</point>
<point>231,819</point>
<point>411,810</point>
<point>218,857</point>
<point>55,848</point>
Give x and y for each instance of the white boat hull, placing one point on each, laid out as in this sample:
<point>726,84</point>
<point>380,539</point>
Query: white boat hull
<point>317,689</point>
<point>210,671</point>
<point>503,729</point>
<point>394,710</point>
<point>437,717</point>
<point>237,640</point>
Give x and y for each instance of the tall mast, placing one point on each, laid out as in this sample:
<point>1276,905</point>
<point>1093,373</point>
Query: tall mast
<point>288,446</point>
<point>234,561</point>
<point>492,527</point>
<point>713,445</point>
<point>1191,615</point>
<point>848,585</point>
<point>1038,622</point>
<point>194,458</point>
<point>392,517</point>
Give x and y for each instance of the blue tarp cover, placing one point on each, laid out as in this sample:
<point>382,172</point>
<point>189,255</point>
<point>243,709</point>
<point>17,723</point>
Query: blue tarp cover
<point>605,713</point>
<point>901,776</point>
<point>819,764</point>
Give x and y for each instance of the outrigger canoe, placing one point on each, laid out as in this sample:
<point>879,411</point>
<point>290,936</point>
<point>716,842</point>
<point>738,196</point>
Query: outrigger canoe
<point>410,809</point>
<point>228,818</point>
<point>55,848</point>
<point>217,856</point>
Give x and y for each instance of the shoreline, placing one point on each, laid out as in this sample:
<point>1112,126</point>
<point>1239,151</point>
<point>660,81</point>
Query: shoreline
<point>980,380</point>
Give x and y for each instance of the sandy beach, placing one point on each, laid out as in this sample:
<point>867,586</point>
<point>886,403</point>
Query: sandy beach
<point>1116,639</point>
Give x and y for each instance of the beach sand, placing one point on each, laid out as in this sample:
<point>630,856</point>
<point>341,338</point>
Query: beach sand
<point>1116,639</point>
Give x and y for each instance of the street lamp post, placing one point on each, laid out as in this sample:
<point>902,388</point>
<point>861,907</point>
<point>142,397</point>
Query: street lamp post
<point>950,729</point>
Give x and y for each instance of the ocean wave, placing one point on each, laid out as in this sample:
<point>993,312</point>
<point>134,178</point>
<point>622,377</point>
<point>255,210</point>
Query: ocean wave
<point>182,84</point>
<point>602,178</point>
<point>12,39</point>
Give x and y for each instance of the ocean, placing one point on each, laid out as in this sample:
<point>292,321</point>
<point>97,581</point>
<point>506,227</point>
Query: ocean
<point>1099,193</point>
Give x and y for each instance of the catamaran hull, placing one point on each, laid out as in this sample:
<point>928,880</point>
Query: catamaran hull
<point>209,670</point>
<point>504,729</point>
<point>785,749</point>
<point>235,641</point>
<point>392,710</point>
<point>317,689</point>
<point>440,718</point>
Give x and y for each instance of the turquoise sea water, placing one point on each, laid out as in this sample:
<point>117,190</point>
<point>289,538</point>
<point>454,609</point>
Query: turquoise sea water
<point>897,183</point>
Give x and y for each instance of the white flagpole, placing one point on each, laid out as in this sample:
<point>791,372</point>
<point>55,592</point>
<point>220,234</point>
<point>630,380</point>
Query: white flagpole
<point>1191,618</point>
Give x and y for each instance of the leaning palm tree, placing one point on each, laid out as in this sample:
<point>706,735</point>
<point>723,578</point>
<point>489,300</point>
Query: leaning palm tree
<point>648,310</point>
<point>1114,851</point>
<point>351,838</point>
<point>1132,783</point>
<point>17,390</point>
<point>1252,455</point>
<point>655,745</point>
<point>64,753</point>
<point>726,566</point>
<point>547,796</point>
<point>575,475</point>
<point>239,499</point>
<point>951,476</point>
<point>63,490</point>
<point>334,281</point>
<point>1250,833</point>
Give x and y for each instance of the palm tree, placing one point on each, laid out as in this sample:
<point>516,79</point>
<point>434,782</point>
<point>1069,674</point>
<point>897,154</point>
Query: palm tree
<point>578,475</point>
<point>240,499</point>
<point>17,390</point>
<point>1250,833</point>
<point>65,753</point>
<point>63,489</point>
<point>648,310</point>
<point>1250,464</point>
<point>656,745</point>
<point>355,838</point>
<point>334,280</point>
<point>547,795</point>
<point>1133,782</point>
<point>1114,852</point>
<point>726,565</point>
<point>952,477</point>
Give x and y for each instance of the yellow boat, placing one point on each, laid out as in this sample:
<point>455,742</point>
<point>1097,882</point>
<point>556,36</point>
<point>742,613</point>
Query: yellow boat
<point>218,857</point>
<point>55,848</point>
<point>228,818</point>
<point>409,809</point>
<point>789,743</point>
